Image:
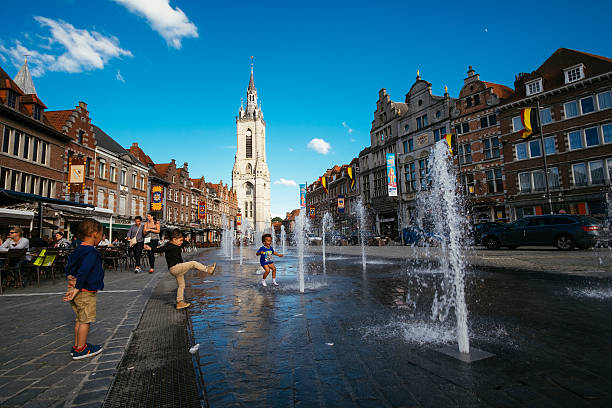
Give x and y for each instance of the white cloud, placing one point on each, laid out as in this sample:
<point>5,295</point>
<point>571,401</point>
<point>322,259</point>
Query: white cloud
<point>170,23</point>
<point>120,77</point>
<point>347,127</point>
<point>286,182</point>
<point>319,146</point>
<point>70,49</point>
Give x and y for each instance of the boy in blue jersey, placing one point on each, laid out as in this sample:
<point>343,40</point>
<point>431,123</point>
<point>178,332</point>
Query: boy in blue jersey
<point>265,259</point>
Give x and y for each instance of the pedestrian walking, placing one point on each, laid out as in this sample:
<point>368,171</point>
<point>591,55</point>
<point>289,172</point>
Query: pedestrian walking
<point>176,266</point>
<point>135,237</point>
<point>152,229</point>
<point>85,277</point>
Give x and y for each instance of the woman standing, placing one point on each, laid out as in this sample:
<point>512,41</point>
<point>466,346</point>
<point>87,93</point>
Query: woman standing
<point>135,237</point>
<point>151,233</point>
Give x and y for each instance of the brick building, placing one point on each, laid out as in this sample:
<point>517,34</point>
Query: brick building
<point>121,180</point>
<point>480,154</point>
<point>178,208</point>
<point>76,124</point>
<point>574,93</point>
<point>32,150</point>
<point>156,183</point>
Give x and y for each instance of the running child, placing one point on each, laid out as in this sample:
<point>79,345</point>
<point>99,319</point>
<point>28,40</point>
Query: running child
<point>173,252</point>
<point>265,259</point>
<point>85,278</point>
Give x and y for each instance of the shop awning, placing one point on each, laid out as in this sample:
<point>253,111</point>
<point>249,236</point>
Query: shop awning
<point>10,197</point>
<point>118,227</point>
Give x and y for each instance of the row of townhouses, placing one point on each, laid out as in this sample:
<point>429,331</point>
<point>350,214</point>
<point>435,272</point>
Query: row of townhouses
<point>501,174</point>
<point>38,146</point>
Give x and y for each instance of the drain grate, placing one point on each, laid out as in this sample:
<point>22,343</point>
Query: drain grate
<point>157,369</point>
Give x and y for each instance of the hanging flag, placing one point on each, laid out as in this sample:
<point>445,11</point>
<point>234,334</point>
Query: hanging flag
<point>312,211</point>
<point>391,175</point>
<point>302,195</point>
<point>238,219</point>
<point>351,176</point>
<point>530,122</point>
<point>202,210</point>
<point>341,204</point>
<point>451,141</point>
<point>324,183</point>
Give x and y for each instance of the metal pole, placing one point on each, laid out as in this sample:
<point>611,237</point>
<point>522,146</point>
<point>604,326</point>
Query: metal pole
<point>40,219</point>
<point>550,208</point>
<point>400,217</point>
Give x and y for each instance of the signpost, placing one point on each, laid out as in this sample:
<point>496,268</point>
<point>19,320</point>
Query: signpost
<point>391,175</point>
<point>76,175</point>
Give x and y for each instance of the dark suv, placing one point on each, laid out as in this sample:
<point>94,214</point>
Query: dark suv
<point>563,231</point>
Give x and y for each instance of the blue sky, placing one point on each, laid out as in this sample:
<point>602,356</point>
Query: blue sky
<point>169,74</point>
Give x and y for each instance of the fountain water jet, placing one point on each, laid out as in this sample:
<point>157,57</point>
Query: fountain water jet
<point>361,218</point>
<point>244,227</point>
<point>326,223</point>
<point>283,238</point>
<point>300,231</point>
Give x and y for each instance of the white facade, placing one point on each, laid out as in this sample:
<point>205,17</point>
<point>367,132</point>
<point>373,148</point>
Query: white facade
<point>250,176</point>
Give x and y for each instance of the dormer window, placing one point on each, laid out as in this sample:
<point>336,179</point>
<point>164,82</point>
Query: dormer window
<point>573,74</point>
<point>12,99</point>
<point>36,112</point>
<point>534,87</point>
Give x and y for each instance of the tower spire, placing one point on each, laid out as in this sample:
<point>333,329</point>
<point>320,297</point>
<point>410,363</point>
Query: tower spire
<point>251,80</point>
<point>23,79</point>
<point>251,105</point>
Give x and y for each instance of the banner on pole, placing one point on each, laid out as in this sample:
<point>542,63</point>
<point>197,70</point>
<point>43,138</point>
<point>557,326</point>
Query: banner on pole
<point>313,211</point>
<point>302,195</point>
<point>238,219</point>
<point>157,196</point>
<point>341,204</point>
<point>391,175</point>
<point>202,209</point>
<point>76,175</point>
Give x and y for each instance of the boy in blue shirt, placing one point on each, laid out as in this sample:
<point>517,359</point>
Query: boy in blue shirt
<point>265,259</point>
<point>85,277</point>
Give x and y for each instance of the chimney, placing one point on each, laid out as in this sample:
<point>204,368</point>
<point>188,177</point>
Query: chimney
<point>173,162</point>
<point>134,144</point>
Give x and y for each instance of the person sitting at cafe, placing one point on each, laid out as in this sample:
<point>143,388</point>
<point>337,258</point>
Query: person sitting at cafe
<point>105,242</point>
<point>15,240</point>
<point>60,240</point>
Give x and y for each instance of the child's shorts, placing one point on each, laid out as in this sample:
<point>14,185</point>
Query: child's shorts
<point>84,306</point>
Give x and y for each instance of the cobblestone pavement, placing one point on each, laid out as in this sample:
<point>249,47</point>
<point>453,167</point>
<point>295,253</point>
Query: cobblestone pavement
<point>591,262</point>
<point>36,369</point>
<point>367,340</point>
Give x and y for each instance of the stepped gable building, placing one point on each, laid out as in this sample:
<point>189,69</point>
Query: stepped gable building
<point>480,155</point>
<point>31,149</point>
<point>409,129</point>
<point>250,175</point>
<point>573,89</point>
<point>155,182</point>
<point>179,193</point>
<point>121,179</point>
<point>76,124</point>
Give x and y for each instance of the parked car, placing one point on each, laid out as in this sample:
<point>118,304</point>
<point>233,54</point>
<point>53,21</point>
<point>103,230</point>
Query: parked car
<point>419,237</point>
<point>314,239</point>
<point>564,231</point>
<point>478,230</point>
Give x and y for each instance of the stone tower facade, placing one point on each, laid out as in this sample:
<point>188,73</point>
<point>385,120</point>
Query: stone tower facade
<point>250,176</point>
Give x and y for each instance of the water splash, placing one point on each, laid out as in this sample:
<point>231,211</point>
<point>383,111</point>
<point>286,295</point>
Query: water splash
<point>361,219</point>
<point>300,235</point>
<point>327,223</point>
<point>283,238</point>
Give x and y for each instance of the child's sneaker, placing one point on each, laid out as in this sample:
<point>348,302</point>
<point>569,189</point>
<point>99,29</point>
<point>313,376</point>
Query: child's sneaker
<point>72,351</point>
<point>211,269</point>
<point>182,305</point>
<point>274,282</point>
<point>151,270</point>
<point>88,351</point>
<point>137,269</point>
<point>263,282</point>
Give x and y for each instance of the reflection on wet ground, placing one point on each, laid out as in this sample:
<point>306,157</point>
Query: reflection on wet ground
<point>355,339</point>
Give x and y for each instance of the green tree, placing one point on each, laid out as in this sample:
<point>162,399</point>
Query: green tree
<point>277,219</point>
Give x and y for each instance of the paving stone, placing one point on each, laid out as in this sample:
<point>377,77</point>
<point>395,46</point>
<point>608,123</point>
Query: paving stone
<point>23,397</point>
<point>91,396</point>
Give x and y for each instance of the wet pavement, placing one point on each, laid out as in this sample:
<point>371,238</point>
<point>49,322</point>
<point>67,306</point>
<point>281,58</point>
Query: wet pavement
<point>368,340</point>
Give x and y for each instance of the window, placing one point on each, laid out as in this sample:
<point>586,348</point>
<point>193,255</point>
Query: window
<point>424,173</point>
<point>112,173</point>
<point>439,133</point>
<point>88,167</point>
<point>100,201</point>
<point>465,127</point>
<point>468,101</point>
<point>410,176</point>
<point>606,131</point>
<point>534,181</point>
<point>591,136</point>
<point>80,137</point>
<point>16,139</point>
<point>249,189</point>
<point>467,182</point>
<point>101,169</point>
<point>422,121</point>
<point>26,146</point>
<point>6,139</point>
<point>608,162</point>
<point>134,181</point>
<point>570,109</point>
<point>604,100</point>
<point>438,114</point>
<point>525,182</point>
<point>34,149</point>
<point>408,146</point>
<point>554,182</point>
<point>528,150</point>
<point>491,148</point>
<point>133,207</point>
<point>12,99</point>
<point>580,174</point>
<point>545,116</point>
<point>406,128</point>
<point>587,105</point>
<point>142,182</point>
<point>596,170</point>
<point>575,140</point>
<point>573,74</point>
<point>549,145</point>
<point>124,177</point>
<point>539,182</point>
<point>534,148</point>
<point>43,152</point>
<point>534,87</point>
<point>36,112</point>
<point>465,154</point>
<point>521,151</point>
<point>494,181</point>
<point>476,99</point>
<point>517,124</point>
<point>249,144</point>
<point>122,205</point>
